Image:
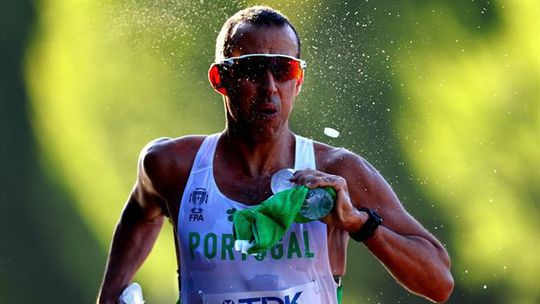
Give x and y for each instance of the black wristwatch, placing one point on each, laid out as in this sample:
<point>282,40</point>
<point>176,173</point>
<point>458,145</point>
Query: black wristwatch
<point>368,229</point>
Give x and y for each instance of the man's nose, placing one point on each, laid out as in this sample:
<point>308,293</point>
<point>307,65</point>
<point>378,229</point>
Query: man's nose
<point>268,83</point>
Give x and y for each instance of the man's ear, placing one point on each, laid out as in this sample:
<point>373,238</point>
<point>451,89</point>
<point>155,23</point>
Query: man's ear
<point>299,83</point>
<point>215,80</point>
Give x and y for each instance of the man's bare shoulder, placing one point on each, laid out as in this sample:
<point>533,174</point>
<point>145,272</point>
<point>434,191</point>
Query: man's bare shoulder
<point>343,162</point>
<point>166,159</point>
<point>169,149</point>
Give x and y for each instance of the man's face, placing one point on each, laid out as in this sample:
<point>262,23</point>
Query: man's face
<point>261,106</point>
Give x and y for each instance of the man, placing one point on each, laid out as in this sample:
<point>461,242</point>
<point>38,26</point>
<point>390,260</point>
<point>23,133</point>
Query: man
<point>200,181</point>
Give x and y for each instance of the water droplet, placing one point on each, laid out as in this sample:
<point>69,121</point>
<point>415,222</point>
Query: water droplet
<point>331,132</point>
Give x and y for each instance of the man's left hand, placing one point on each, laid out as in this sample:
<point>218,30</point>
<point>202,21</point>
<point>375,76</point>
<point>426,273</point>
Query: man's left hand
<point>344,215</point>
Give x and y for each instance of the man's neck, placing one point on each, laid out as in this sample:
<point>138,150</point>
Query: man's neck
<point>256,156</point>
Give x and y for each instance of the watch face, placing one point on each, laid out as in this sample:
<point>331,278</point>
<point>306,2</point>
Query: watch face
<point>376,217</point>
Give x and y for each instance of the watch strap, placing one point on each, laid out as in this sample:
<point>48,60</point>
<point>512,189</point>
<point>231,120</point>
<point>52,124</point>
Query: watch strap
<point>369,227</point>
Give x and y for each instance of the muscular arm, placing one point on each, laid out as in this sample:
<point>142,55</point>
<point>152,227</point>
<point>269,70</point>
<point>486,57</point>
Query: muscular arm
<point>414,257</point>
<point>135,234</point>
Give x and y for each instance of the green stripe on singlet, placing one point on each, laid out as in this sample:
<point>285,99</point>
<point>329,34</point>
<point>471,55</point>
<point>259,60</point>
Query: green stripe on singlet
<point>339,293</point>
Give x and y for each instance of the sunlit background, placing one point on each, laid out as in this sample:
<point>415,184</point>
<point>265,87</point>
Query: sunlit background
<point>441,96</point>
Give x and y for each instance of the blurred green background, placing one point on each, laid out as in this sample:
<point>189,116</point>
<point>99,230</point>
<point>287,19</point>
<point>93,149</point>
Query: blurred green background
<point>442,97</point>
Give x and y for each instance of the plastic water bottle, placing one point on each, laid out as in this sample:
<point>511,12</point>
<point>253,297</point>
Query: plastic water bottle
<point>318,202</point>
<point>281,180</point>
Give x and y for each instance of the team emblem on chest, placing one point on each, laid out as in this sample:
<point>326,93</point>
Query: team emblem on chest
<point>198,197</point>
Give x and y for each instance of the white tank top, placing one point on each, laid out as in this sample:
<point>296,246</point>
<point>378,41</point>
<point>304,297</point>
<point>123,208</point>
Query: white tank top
<point>296,270</point>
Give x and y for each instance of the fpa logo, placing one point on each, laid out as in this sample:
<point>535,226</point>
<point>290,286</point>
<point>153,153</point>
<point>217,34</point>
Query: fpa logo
<point>270,300</point>
<point>198,197</point>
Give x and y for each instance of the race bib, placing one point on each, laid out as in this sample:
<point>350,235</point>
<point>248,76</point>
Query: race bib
<point>302,294</point>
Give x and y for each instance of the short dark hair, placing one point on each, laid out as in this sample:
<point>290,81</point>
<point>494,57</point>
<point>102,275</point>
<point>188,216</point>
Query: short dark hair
<point>255,15</point>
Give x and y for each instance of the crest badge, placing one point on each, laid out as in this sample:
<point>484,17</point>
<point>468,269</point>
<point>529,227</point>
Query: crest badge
<point>198,197</point>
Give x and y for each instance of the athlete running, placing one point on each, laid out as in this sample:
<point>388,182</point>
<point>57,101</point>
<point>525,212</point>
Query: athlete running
<point>200,181</point>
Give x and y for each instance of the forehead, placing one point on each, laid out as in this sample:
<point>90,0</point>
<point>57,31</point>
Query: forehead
<point>252,39</point>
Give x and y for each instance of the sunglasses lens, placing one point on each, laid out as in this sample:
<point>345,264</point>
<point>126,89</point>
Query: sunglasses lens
<point>251,68</point>
<point>254,68</point>
<point>285,69</point>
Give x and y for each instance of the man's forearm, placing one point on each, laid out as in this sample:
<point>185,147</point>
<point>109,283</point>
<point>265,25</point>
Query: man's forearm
<point>133,240</point>
<point>419,265</point>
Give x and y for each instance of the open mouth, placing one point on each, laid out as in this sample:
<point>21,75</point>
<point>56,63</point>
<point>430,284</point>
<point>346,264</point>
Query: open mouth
<point>267,111</point>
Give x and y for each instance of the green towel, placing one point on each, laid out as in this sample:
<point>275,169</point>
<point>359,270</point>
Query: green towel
<point>264,225</point>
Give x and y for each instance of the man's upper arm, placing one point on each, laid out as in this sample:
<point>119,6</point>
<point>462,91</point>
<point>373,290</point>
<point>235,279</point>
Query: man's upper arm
<point>368,188</point>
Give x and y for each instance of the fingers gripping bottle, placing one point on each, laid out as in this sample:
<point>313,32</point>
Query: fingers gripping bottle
<point>318,202</point>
